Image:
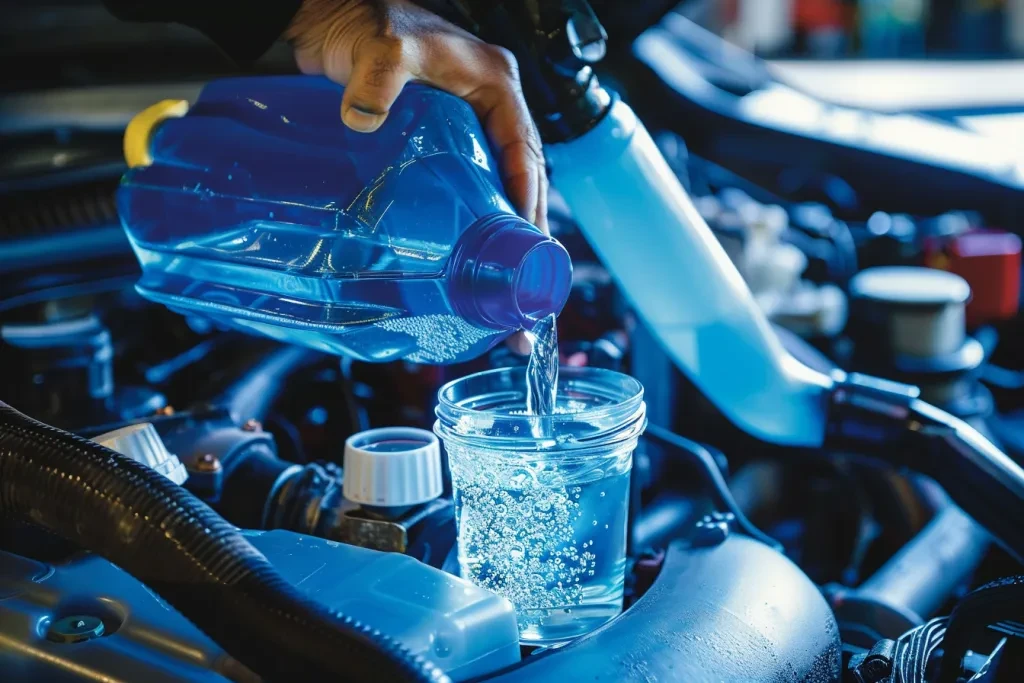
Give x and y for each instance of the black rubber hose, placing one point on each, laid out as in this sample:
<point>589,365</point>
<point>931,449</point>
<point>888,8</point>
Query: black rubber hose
<point>699,456</point>
<point>1000,600</point>
<point>251,396</point>
<point>914,650</point>
<point>175,544</point>
<point>886,419</point>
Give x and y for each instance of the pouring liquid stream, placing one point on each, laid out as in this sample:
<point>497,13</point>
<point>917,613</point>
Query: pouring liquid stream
<point>542,524</point>
<point>542,375</point>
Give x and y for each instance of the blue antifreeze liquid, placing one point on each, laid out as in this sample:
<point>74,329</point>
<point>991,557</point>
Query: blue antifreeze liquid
<point>542,372</point>
<point>553,543</point>
<point>261,211</point>
<point>550,536</point>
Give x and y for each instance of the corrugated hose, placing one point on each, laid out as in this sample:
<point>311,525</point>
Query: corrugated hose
<point>200,564</point>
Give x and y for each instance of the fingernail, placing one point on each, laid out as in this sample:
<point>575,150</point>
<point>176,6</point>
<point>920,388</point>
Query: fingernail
<point>363,120</point>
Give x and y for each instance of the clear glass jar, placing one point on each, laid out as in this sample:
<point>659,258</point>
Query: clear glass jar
<point>541,501</point>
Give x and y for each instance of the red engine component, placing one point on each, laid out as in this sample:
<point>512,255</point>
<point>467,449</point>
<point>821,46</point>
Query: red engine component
<point>990,261</point>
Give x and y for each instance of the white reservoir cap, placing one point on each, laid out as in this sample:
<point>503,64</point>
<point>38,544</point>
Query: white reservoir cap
<point>910,286</point>
<point>392,467</point>
<point>141,443</point>
<point>915,311</point>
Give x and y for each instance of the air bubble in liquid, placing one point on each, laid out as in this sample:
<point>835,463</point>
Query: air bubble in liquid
<point>525,537</point>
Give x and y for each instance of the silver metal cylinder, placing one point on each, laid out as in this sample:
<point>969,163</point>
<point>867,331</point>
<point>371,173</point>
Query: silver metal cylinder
<point>924,574</point>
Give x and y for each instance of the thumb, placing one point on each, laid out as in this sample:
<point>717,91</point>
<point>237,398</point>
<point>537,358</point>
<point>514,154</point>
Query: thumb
<point>378,76</point>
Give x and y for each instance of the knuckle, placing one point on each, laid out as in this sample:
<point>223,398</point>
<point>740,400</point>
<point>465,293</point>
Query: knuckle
<point>382,63</point>
<point>391,49</point>
<point>379,70</point>
<point>527,133</point>
<point>531,146</point>
<point>504,60</point>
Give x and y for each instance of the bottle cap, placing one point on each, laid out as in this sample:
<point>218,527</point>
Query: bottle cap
<point>141,443</point>
<point>911,311</point>
<point>392,467</point>
<point>508,274</point>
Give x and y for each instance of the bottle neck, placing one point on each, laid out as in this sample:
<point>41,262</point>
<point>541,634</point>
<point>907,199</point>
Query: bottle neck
<point>506,274</point>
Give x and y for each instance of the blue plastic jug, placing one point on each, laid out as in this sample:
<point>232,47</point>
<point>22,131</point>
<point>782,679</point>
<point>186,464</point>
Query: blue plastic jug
<point>257,208</point>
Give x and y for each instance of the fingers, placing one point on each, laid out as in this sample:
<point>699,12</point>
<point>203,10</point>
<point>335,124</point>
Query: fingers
<point>541,218</point>
<point>487,77</point>
<point>351,43</point>
<point>512,136</point>
<point>378,76</point>
<point>375,49</point>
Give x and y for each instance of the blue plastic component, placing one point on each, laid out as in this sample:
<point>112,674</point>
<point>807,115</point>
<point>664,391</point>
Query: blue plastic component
<point>465,630</point>
<point>643,226</point>
<point>262,211</point>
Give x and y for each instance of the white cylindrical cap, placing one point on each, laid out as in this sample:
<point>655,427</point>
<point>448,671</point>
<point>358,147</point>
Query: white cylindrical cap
<point>921,310</point>
<point>392,467</point>
<point>141,443</point>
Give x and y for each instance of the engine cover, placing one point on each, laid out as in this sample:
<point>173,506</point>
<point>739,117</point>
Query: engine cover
<point>465,630</point>
<point>736,611</point>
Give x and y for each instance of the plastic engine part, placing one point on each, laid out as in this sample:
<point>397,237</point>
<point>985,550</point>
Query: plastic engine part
<point>463,629</point>
<point>735,610</point>
<point>140,442</point>
<point>990,261</point>
<point>392,467</point>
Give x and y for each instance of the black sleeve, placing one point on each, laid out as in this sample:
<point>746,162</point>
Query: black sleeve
<point>242,28</point>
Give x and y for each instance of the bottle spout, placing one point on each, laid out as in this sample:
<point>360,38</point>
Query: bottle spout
<point>508,274</point>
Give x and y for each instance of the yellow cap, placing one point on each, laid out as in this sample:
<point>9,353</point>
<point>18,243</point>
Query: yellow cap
<point>140,129</point>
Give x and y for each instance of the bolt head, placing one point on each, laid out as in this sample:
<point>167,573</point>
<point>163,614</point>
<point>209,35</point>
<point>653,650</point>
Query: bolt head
<point>75,629</point>
<point>709,533</point>
<point>207,462</point>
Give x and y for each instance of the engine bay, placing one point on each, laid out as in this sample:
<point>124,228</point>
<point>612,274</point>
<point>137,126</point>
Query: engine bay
<point>745,559</point>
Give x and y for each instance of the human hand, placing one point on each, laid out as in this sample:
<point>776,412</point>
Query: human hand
<point>374,47</point>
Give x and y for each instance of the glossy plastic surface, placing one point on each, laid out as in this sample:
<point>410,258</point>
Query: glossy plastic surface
<point>736,611</point>
<point>541,501</point>
<point>645,229</point>
<point>465,630</point>
<point>262,211</point>
<point>392,467</point>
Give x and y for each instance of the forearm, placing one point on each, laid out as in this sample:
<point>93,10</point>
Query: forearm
<point>242,28</point>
